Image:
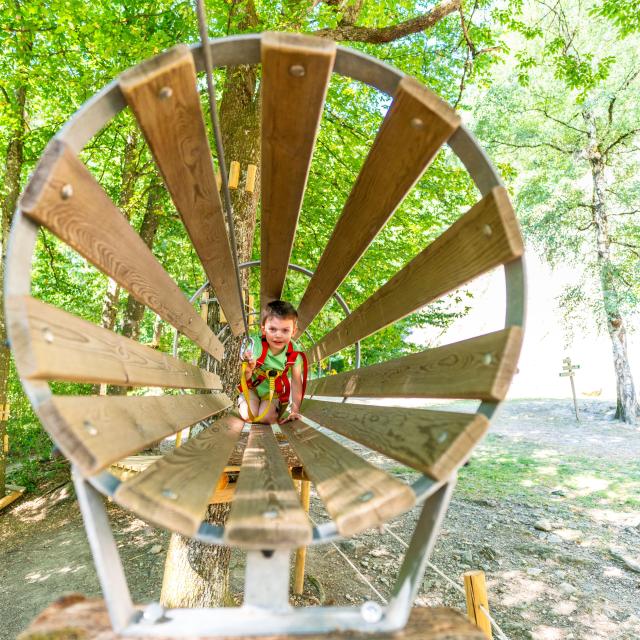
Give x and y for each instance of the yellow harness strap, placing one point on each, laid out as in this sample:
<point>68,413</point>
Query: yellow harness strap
<point>272,375</point>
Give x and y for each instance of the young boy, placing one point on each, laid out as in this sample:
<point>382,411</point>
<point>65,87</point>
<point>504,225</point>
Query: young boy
<point>273,355</point>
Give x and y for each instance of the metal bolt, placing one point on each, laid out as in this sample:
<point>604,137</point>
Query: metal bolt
<point>487,359</point>
<point>365,497</point>
<point>417,123</point>
<point>66,192</point>
<point>153,613</point>
<point>89,428</point>
<point>487,230</point>
<point>371,611</point>
<point>442,437</point>
<point>165,93</point>
<point>297,70</point>
<point>168,493</point>
<point>270,514</point>
<point>48,335</point>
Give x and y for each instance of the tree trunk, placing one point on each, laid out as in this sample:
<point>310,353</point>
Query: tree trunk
<point>13,170</point>
<point>197,575</point>
<point>627,403</point>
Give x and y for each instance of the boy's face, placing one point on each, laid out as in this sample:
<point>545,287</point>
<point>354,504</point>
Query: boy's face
<point>279,331</point>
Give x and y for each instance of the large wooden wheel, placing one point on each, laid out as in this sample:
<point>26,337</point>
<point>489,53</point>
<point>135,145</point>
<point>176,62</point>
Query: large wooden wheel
<point>50,344</point>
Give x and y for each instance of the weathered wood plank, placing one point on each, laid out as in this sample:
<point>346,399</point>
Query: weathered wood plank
<point>163,95</point>
<point>296,71</point>
<point>434,442</point>
<point>485,237</point>
<point>112,427</point>
<point>415,127</point>
<point>356,494</point>
<point>175,491</point>
<point>65,198</point>
<point>479,368</point>
<point>266,512</point>
<point>56,345</point>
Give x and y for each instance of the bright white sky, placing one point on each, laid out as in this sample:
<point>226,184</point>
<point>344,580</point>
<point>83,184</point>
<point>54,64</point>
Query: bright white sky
<point>544,344</point>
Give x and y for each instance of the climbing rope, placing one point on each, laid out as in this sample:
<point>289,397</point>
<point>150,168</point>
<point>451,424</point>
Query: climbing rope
<point>206,51</point>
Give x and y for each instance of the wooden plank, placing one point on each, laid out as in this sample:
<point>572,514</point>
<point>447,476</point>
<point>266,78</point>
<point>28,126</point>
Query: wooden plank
<point>356,494</point>
<point>296,71</point>
<point>484,238</point>
<point>266,511</point>
<point>234,174</point>
<point>479,368</point>
<point>111,427</point>
<point>174,492</point>
<point>163,94</point>
<point>72,617</point>
<point>55,345</point>
<point>65,198</point>
<point>434,442</point>
<point>415,127</point>
<point>13,492</point>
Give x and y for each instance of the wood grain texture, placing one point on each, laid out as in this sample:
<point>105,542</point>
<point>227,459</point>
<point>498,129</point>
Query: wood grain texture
<point>56,345</point>
<point>266,512</point>
<point>479,368</point>
<point>65,198</point>
<point>434,442</point>
<point>175,491</point>
<point>72,617</point>
<point>415,127</point>
<point>484,238</point>
<point>163,95</point>
<point>296,71</point>
<point>356,494</point>
<point>112,427</point>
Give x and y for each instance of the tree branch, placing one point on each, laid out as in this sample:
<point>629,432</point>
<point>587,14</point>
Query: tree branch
<point>620,139</point>
<point>532,146</point>
<point>562,122</point>
<point>380,35</point>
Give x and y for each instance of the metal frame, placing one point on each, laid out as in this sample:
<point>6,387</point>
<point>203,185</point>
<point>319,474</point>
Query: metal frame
<point>258,616</point>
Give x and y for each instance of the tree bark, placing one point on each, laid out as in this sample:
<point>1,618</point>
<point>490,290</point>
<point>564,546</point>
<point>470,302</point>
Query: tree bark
<point>627,403</point>
<point>13,170</point>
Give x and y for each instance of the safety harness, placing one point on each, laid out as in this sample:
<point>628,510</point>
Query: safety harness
<point>278,380</point>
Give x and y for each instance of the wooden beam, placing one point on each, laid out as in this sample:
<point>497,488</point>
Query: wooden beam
<point>415,127</point>
<point>175,491</point>
<point>163,94</point>
<point>356,494</point>
<point>296,70</point>
<point>266,511</point>
<point>484,238</point>
<point>65,198</point>
<point>434,442</point>
<point>479,368</point>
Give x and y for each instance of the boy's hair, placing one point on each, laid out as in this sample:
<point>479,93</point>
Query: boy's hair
<point>279,309</point>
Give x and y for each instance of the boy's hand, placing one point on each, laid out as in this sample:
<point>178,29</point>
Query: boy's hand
<point>292,415</point>
<point>247,357</point>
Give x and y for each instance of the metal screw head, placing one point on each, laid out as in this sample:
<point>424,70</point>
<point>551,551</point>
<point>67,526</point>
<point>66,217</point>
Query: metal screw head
<point>371,611</point>
<point>417,123</point>
<point>168,493</point>
<point>153,613</point>
<point>165,93</point>
<point>487,359</point>
<point>47,334</point>
<point>365,497</point>
<point>270,514</point>
<point>89,428</point>
<point>487,230</point>
<point>66,191</point>
<point>297,70</point>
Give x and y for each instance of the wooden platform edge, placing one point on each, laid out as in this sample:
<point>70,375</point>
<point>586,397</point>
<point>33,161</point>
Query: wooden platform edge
<point>73,616</point>
<point>15,493</point>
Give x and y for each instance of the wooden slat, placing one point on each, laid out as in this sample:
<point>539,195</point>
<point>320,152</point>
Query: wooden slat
<point>174,492</point>
<point>56,345</point>
<point>64,197</point>
<point>479,368</point>
<point>111,427</point>
<point>295,75</point>
<point>356,494</point>
<point>266,512</point>
<point>484,238</point>
<point>434,442</point>
<point>162,93</point>
<point>415,127</point>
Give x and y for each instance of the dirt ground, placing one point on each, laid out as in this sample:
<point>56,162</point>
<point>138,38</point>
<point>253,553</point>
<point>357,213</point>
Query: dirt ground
<point>548,508</point>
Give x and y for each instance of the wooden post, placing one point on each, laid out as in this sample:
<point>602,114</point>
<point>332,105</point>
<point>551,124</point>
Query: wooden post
<point>476,590</point>
<point>301,554</point>
<point>250,182</point>
<point>568,371</point>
